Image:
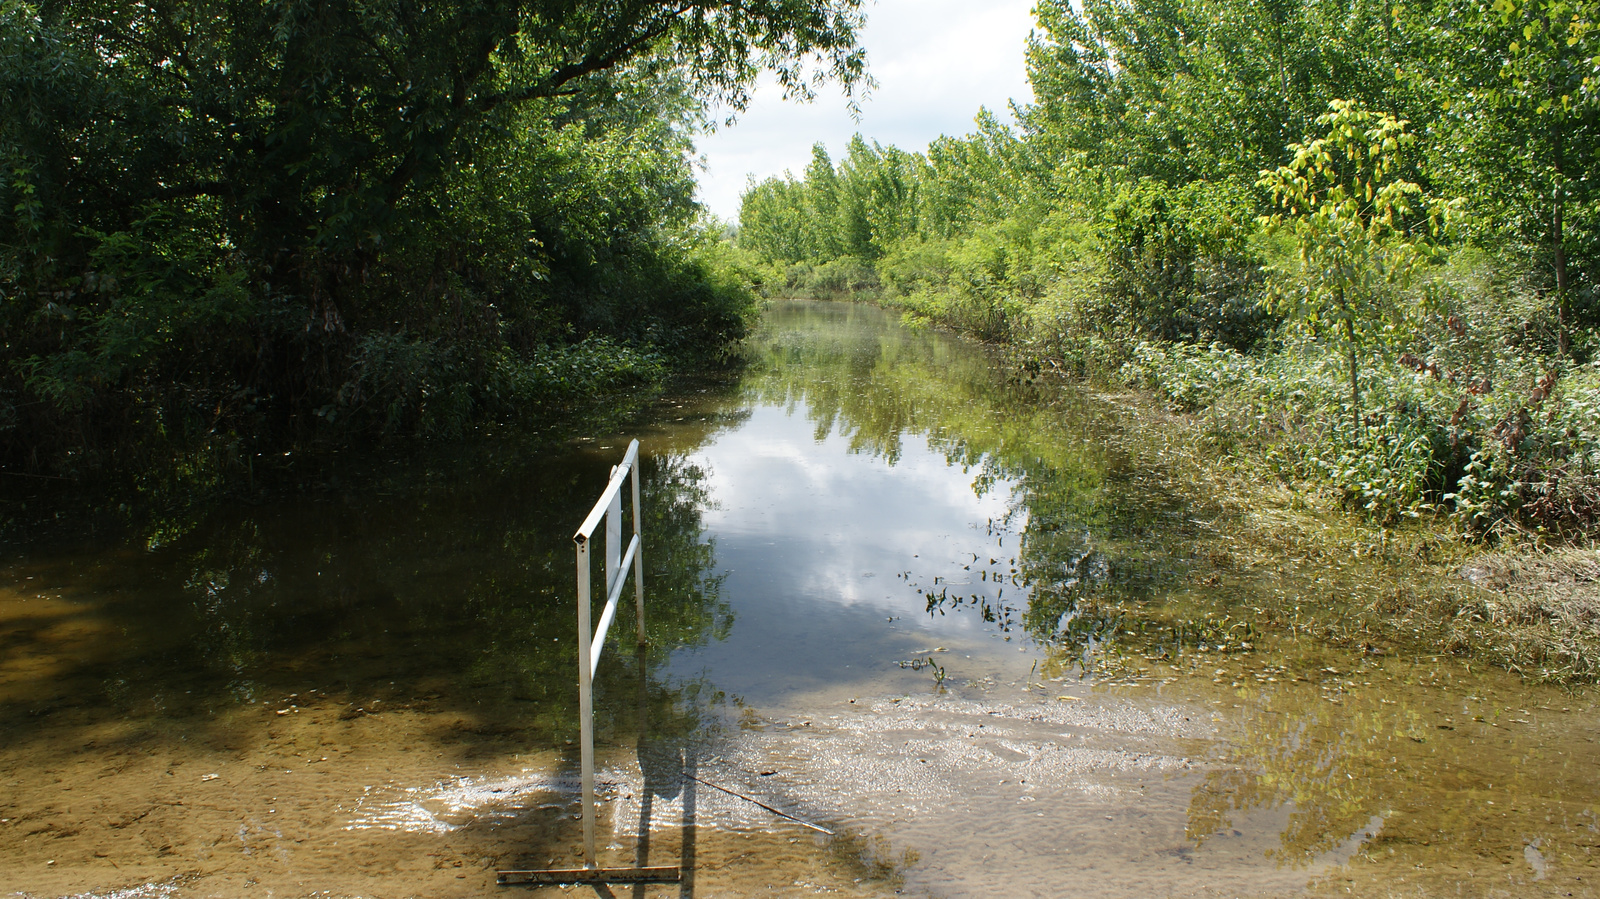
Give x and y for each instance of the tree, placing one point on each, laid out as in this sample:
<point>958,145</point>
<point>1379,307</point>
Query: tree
<point>1521,137</point>
<point>822,224</point>
<point>1359,228</point>
<point>773,222</point>
<point>224,196</point>
<point>315,118</point>
<point>1183,90</point>
<point>979,178</point>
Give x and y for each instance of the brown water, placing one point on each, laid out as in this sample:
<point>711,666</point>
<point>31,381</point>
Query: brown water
<point>893,594</point>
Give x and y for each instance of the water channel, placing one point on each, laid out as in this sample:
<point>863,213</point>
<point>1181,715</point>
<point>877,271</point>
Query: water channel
<point>888,587</point>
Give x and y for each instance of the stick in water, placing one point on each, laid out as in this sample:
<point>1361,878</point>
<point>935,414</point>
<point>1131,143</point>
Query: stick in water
<point>760,803</point>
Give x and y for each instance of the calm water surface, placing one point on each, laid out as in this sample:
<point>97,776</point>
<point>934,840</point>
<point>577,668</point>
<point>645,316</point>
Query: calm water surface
<point>893,594</point>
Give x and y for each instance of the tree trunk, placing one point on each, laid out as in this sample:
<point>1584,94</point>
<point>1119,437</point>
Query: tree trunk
<point>1563,298</point>
<point>1355,392</point>
<point>1350,352</point>
<point>1558,161</point>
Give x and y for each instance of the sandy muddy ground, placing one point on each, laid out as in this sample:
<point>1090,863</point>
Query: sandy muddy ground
<point>937,795</point>
<point>326,801</point>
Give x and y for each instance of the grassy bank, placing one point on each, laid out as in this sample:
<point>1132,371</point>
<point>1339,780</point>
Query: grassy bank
<point>1413,584</point>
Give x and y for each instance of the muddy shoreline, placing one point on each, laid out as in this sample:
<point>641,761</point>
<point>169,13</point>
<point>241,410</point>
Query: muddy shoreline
<point>1525,605</point>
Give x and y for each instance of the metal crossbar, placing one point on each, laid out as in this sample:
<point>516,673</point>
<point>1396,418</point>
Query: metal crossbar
<point>591,642</point>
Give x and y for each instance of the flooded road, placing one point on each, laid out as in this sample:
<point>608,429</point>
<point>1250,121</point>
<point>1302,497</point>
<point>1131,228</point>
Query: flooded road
<point>894,595</point>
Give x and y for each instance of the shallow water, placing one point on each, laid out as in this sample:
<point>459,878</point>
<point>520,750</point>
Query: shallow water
<point>890,595</point>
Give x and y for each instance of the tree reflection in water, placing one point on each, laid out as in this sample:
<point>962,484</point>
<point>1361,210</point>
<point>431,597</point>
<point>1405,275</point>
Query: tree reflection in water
<point>1105,576</point>
<point>1083,518</point>
<point>457,593</point>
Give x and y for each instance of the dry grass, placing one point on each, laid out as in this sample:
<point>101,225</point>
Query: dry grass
<point>1561,583</point>
<point>1539,606</point>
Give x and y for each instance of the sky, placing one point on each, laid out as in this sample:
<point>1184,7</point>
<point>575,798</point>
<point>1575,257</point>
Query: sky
<point>936,62</point>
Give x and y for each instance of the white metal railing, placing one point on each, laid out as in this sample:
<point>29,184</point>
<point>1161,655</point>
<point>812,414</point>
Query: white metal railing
<point>592,642</point>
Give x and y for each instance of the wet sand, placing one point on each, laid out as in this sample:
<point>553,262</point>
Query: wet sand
<point>1058,790</point>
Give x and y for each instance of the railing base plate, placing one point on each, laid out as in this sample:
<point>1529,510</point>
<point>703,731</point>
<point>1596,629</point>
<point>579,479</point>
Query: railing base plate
<point>664,874</point>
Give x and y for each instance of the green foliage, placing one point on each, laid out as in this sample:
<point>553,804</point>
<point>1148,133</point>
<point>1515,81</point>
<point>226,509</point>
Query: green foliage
<point>1385,470</point>
<point>856,209</point>
<point>1355,222</point>
<point>975,285</point>
<point>1493,442</point>
<point>301,219</point>
<point>1520,133</point>
<point>840,278</point>
<point>1181,265</point>
<point>1539,466</point>
<point>1202,199</point>
<point>1185,90</point>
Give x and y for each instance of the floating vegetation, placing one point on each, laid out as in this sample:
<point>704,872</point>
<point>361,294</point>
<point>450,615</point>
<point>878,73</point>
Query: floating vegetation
<point>919,664</point>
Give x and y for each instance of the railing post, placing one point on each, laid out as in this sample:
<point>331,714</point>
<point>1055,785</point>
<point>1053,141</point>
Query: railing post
<point>638,556</point>
<point>591,638</point>
<point>591,644</point>
<point>586,702</point>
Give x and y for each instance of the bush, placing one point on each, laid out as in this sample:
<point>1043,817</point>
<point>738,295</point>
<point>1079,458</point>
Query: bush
<point>846,277</point>
<point>1180,265</point>
<point>1491,440</point>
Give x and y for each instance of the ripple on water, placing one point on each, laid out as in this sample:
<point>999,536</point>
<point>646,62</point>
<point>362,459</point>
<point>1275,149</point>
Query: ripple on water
<point>951,789</point>
<point>449,805</point>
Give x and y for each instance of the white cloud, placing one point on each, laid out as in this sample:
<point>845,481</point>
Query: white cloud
<point>936,63</point>
<point>833,525</point>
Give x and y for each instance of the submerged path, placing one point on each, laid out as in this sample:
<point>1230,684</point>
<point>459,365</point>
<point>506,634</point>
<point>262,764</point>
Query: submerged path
<point>893,593</point>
